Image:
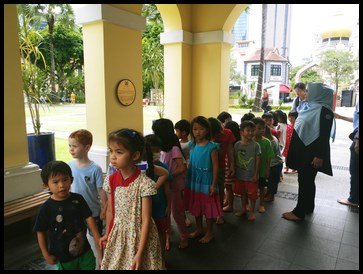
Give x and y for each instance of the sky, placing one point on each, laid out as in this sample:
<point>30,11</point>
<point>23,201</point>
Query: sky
<point>306,20</point>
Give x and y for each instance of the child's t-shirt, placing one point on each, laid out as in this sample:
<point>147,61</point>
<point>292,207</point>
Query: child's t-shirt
<point>65,222</point>
<point>266,153</point>
<point>277,159</point>
<point>168,158</point>
<point>86,181</point>
<point>245,159</point>
<point>185,149</point>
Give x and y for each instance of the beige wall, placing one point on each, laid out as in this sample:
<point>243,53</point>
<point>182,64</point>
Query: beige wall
<point>15,140</point>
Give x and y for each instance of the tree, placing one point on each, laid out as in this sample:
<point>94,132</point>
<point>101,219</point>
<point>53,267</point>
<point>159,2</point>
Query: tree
<point>257,104</point>
<point>339,64</point>
<point>34,79</point>
<point>310,75</point>
<point>152,50</point>
<point>68,56</point>
<point>51,14</point>
<point>234,74</point>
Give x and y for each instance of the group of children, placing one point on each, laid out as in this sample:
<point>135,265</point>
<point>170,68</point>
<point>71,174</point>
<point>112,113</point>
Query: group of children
<point>195,166</point>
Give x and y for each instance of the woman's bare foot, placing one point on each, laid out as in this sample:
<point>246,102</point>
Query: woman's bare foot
<point>195,234</point>
<point>183,243</point>
<point>291,217</point>
<point>240,213</point>
<point>206,239</point>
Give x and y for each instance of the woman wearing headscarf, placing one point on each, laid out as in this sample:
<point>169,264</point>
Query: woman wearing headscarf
<point>309,150</point>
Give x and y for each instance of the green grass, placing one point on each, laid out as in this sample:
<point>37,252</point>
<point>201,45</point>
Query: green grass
<point>61,150</point>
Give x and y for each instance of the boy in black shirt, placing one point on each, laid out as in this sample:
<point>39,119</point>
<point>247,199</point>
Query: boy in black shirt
<point>63,217</point>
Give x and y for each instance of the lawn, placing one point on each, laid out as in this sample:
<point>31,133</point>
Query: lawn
<point>61,150</point>
<point>65,118</point>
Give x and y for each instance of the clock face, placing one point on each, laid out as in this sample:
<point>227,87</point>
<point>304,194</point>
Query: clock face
<point>126,92</point>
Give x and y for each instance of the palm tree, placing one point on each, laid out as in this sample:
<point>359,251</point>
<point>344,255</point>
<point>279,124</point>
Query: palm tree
<point>257,104</point>
<point>34,79</point>
<point>51,14</point>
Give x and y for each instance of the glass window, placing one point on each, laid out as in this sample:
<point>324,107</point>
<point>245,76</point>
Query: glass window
<point>275,70</point>
<point>254,70</point>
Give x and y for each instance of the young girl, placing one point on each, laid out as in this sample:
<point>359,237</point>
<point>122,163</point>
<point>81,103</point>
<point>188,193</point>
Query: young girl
<point>225,138</point>
<point>290,127</point>
<point>172,155</point>
<point>201,193</point>
<point>281,127</point>
<point>161,201</point>
<point>131,237</point>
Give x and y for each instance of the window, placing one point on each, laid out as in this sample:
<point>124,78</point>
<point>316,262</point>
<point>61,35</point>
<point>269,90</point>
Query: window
<point>275,70</point>
<point>254,70</point>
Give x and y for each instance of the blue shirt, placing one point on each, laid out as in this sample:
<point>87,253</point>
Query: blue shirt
<point>86,181</point>
<point>356,116</point>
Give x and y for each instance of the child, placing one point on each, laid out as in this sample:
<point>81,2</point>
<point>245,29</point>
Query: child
<point>275,167</point>
<point>161,202</point>
<point>247,117</point>
<point>172,155</point>
<point>266,155</point>
<point>63,219</point>
<point>225,138</point>
<point>247,159</point>
<point>224,117</point>
<point>182,130</point>
<point>229,180</point>
<point>269,119</point>
<point>281,127</point>
<point>201,193</point>
<point>88,181</point>
<point>132,240</point>
<point>290,127</point>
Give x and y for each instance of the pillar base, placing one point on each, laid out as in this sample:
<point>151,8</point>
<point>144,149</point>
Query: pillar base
<point>21,181</point>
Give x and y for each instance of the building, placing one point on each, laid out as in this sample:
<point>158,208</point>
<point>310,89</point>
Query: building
<point>275,74</point>
<point>340,35</point>
<point>247,35</point>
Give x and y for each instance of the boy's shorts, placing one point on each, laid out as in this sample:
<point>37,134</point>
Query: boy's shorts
<point>87,261</point>
<point>246,188</point>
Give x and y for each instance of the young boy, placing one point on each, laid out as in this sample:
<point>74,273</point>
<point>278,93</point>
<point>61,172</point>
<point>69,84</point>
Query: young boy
<point>224,117</point>
<point>269,119</point>
<point>247,160</point>
<point>87,180</point>
<point>182,130</point>
<point>63,218</point>
<point>267,154</point>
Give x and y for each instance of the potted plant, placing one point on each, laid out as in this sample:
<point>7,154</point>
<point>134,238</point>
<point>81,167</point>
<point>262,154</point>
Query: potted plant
<point>41,146</point>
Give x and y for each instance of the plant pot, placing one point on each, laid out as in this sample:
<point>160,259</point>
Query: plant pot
<point>41,148</point>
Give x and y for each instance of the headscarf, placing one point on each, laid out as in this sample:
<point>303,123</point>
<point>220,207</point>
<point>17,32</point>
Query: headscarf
<point>307,124</point>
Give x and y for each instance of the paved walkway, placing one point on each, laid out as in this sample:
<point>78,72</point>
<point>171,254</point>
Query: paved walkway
<point>327,239</point>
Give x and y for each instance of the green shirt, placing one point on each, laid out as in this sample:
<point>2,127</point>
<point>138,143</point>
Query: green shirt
<point>266,154</point>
